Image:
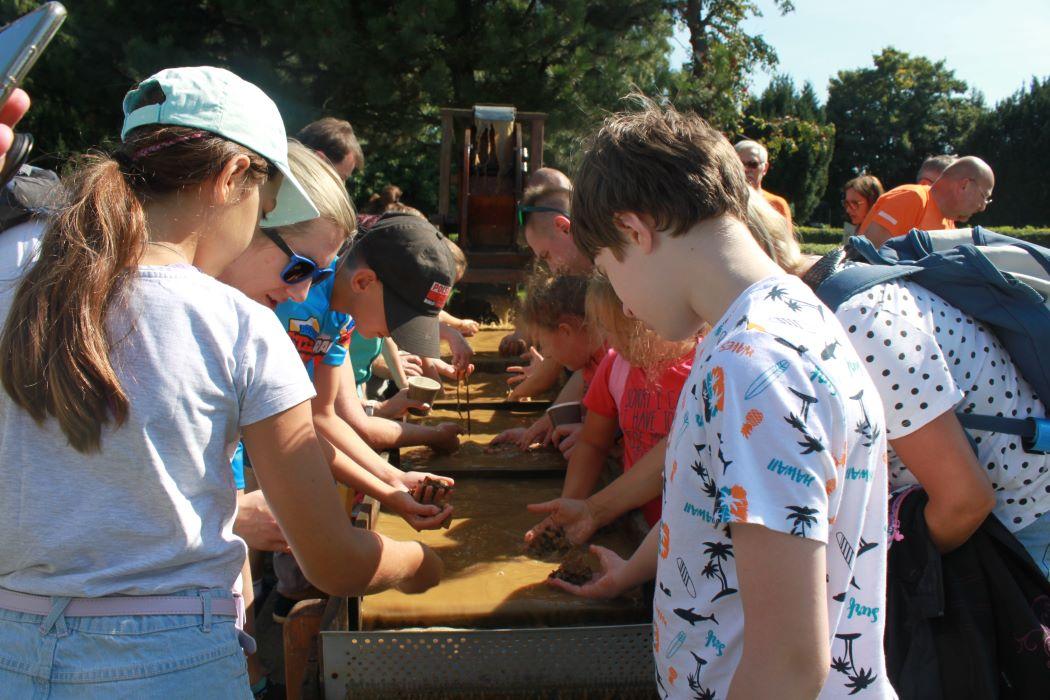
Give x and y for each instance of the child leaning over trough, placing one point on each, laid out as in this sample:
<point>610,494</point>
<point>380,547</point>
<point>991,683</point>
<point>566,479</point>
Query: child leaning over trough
<point>554,310</point>
<point>770,558</point>
<point>634,393</point>
<point>118,559</point>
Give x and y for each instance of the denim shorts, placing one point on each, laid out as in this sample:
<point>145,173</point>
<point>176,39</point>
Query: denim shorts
<point>136,656</point>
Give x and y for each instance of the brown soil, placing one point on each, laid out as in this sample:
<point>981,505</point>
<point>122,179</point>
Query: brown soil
<point>574,570</point>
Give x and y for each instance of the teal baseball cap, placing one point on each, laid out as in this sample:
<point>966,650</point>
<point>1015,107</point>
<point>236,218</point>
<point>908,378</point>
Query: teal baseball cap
<point>218,101</point>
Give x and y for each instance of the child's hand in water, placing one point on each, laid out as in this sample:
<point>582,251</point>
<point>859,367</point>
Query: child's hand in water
<point>421,516</point>
<point>412,480</point>
<point>565,437</point>
<point>606,582</point>
<point>512,435</point>
<point>446,437</point>
<point>538,432</point>
<point>572,514</point>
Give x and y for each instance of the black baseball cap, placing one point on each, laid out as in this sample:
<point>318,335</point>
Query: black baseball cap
<point>412,260</point>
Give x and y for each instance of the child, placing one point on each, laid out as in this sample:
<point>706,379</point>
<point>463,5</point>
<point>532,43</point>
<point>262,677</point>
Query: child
<point>116,512</point>
<point>554,310</point>
<point>770,558</point>
<point>634,392</point>
<point>321,336</point>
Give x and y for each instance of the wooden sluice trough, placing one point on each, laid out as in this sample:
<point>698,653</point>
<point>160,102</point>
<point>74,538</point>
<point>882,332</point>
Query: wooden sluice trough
<point>493,627</point>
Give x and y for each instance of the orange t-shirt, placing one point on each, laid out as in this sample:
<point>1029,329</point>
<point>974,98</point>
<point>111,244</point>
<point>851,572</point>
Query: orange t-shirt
<point>778,203</point>
<point>904,208</point>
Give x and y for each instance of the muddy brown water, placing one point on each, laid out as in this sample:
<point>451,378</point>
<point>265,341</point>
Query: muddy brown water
<point>489,581</point>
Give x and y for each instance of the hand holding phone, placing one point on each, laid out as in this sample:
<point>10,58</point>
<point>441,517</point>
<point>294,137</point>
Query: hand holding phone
<point>21,43</point>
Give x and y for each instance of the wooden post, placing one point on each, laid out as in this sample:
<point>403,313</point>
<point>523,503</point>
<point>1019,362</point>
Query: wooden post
<point>301,649</point>
<point>445,173</point>
<point>535,145</point>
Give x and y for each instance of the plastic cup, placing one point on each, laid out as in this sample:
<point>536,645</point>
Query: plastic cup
<point>564,413</point>
<point>423,389</point>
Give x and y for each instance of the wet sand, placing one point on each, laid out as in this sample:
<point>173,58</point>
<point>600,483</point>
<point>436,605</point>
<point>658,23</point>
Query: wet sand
<point>489,581</point>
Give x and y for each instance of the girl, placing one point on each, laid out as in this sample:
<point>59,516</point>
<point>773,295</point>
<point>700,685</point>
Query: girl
<point>128,374</point>
<point>634,391</point>
<point>554,310</point>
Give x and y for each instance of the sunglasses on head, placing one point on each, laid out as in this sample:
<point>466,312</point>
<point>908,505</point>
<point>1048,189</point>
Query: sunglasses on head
<point>522,211</point>
<point>299,268</point>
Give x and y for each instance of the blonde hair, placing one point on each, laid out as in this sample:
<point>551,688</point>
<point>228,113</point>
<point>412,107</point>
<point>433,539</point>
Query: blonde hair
<point>635,342</point>
<point>773,233</point>
<point>324,187</point>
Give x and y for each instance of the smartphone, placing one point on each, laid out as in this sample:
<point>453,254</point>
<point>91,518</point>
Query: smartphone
<point>22,42</point>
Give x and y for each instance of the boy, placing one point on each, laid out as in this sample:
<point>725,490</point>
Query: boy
<point>770,558</point>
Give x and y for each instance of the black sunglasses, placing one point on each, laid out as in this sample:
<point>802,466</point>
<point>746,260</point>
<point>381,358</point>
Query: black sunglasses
<point>522,211</point>
<point>299,267</point>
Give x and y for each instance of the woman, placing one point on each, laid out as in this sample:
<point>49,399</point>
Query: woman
<point>858,196</point>
<point>128,374</point>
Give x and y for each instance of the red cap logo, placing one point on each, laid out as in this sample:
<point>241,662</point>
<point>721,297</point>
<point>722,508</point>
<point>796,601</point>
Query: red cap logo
<point>438,295</point>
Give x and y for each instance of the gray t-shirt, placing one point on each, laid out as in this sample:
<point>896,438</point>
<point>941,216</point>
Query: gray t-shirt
<point>151,513</point>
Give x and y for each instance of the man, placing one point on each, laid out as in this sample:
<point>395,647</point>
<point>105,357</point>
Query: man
<point>549,177</point>
<point>932,168</point>
<point>335,140</point>
<point>545,213</point>
<point>755,158</point>
<point>963,189</point>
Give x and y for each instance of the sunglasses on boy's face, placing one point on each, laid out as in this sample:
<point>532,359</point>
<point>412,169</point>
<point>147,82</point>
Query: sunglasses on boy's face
<point>299,268</point>
<point>522,211</point>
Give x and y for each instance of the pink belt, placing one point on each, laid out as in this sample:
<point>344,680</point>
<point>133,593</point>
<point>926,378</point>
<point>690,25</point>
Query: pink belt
<point>123,605</point>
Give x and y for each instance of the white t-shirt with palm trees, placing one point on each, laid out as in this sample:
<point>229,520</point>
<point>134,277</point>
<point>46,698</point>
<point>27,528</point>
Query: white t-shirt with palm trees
<point>778,425</point>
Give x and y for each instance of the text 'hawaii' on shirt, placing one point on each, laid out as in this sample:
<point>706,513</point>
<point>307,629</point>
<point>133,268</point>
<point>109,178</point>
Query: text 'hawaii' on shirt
<point>777,425</point>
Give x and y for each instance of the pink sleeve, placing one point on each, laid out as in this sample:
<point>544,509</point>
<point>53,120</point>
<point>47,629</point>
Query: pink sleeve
<point>598,398</point>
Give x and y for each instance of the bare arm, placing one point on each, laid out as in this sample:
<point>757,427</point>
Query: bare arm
<point>542,378</point>
<point>617,576</point>
<point>783,592</point>
<point>384,434</point>
<point>633,489</point>
<point>342,436</point>
<point>588,458</point>
<point>335,556</point>
<point>392,356</point>
<point>876,233</point>
<point>961,496</point>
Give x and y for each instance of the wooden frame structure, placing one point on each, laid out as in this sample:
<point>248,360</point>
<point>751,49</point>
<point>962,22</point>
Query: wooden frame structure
<point>485,213</point>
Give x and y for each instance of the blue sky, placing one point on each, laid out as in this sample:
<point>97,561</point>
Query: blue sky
<point>996,47</point>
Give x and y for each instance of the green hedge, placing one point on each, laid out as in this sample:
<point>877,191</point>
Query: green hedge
<point>830,236</point>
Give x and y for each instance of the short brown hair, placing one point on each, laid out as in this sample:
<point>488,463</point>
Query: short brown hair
<point>333,137</point>
<point>867,186</point>
<point>672,166</point>
<point>547,196</point>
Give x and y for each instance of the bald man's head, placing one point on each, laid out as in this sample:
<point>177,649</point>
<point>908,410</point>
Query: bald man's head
<point>755,159</point>
<point>964,188</point>
<point>549,177</point>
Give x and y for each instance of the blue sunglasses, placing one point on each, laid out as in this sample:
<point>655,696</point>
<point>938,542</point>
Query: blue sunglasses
<point>298,267</point>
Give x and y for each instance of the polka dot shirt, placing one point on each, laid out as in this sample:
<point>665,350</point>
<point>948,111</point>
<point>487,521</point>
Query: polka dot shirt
<point>926,357</point>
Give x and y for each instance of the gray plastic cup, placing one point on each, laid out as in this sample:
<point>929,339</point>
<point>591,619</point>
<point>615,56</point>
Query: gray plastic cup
<point>563,413</point>
<point>423,389</point>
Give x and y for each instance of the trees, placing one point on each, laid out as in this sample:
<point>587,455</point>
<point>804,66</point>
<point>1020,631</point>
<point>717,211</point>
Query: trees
<point>790,124</point>
<point>386,67</point>
<point>714,81</point>
<point>890,117</point>
<point>1014,139</point>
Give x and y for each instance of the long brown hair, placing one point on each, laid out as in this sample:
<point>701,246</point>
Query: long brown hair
<point>55,350</point>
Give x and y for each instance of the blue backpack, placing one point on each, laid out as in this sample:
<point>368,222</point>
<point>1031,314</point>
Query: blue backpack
<point>1002,282</point>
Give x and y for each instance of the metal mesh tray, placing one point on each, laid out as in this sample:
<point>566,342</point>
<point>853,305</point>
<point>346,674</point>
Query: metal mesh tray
<point>591,662</point>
